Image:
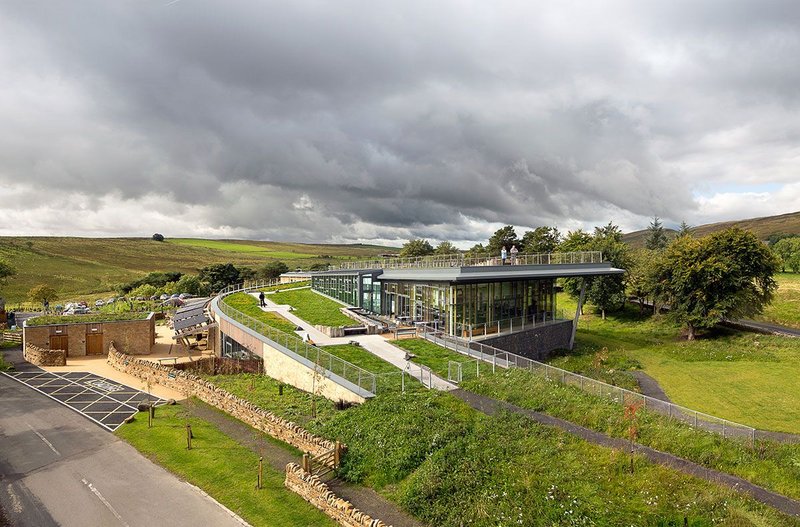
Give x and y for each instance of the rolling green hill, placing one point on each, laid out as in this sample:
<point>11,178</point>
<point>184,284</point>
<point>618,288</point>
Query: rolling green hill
<point>762,227</point>
<point>92,266</point>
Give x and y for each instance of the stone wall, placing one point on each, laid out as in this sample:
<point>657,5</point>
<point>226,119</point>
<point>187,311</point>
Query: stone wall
<point>536,343</point>
<point>314,491</point>
<point>192,385</point>
<point>44,357</point>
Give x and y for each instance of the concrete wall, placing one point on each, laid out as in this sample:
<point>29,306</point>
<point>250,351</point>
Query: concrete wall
<point>317,493</point>
<point>286,369</point>
<point>192,385</point>
<point>135,337</point>
<point>44,357</point>
<point>535,343</point>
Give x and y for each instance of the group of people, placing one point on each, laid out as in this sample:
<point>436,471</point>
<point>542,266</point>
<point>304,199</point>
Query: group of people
<point>504,254</point>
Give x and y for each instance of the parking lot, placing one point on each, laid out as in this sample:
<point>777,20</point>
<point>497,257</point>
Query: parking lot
<point>106,402</point>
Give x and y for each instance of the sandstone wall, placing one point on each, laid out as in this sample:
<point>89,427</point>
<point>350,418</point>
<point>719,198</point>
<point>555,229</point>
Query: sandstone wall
<point>44,357</point>
<point>192,385</point>
<point>314,491</point>
<point>134,337</point>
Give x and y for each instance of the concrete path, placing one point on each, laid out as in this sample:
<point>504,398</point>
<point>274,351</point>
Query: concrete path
<point>375,344</point>
<point>491,406</point>
<point>58,468</point>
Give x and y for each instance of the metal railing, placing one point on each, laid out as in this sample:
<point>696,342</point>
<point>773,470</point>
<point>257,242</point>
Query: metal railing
<point>460,260</point>
<point>323,361</point>
<point>503,359</point>
<point>509,325</point>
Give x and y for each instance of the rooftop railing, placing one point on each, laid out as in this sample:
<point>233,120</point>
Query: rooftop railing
<point>460,260</point>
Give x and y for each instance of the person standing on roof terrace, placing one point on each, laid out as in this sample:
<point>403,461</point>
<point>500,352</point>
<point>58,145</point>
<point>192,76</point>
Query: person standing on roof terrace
<point>514,252</point>
<point>503,255</point>
<point>261,299</point>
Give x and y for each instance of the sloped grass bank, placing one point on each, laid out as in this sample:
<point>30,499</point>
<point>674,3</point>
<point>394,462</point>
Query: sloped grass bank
<point>313,308</point>
<point>769,464</point>
<point>438,358</point>
<point>785,308</point>
<point>222,467</point>
<point>452,466</point>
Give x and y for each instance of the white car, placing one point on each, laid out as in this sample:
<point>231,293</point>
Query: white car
<point>99,303</point>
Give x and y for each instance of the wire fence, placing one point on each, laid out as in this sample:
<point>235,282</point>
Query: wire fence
<point>498,358</point>
<point>460,260</point>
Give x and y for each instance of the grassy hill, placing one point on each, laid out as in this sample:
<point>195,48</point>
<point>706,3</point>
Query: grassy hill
<point>762,227</point>
<point>86,266</point>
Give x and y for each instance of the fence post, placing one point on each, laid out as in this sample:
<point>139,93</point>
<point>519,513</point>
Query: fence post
<point>695,419</point>
<point>494,362</point>
<point>723,429</point>
<point>403,381</point>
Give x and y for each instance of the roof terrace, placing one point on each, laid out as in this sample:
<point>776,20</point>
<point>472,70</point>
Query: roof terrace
<point>460,260</point>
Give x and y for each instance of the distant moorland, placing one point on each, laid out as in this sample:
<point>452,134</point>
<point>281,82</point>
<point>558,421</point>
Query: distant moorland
<point>93,266</point>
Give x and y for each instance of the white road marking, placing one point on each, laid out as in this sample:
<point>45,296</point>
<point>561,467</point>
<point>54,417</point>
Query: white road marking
<point>104,501</point>
<point>16,504</point>
<point>43,438</point>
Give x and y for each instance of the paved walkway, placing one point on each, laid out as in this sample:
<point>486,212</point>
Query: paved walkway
<point>375,344</point>
<point>491,406</point>
<point>278,455</point>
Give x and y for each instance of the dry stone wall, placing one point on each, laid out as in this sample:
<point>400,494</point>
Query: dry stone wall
<point>42,357</point>
<point>192,385</point>
<point>314,491</point>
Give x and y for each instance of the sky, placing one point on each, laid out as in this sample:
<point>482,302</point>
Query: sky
<point>377,121</point>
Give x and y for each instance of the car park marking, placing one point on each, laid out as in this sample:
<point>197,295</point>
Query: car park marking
<point>44,439</point>
<point>105,402</point>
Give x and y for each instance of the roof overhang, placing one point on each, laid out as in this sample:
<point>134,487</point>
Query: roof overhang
<point>499,273</point>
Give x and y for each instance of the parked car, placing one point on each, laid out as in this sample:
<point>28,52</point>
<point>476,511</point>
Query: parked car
<point>111,300</point>
<point>163,297</point>
<point>99,303</point>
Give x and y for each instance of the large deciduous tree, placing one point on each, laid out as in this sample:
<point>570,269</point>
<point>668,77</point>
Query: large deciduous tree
<point>219,276</point>
<point>416,247</point>
<point>445,247</point>
<point>541,240</point>
<point>788,251</point>
<point>272,270</point>
<point>42,293</point>
<point>728,274</point>
<point>503,237</point>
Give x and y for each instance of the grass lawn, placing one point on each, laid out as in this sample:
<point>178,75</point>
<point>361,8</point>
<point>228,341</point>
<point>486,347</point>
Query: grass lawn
<point>222,467</point>
<point>437,358</point>
<point>281,287</point>
<point>744,377</point>
<point>785,308</point>
<point>313,308</point>
<point>4,364</point>
<point>388,375</point>
<point>248,305</point>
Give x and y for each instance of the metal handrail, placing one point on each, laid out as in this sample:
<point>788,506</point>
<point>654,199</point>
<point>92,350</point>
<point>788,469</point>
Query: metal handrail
<point>505,359</point>
<point>460,260</point>
<point>364,379</point>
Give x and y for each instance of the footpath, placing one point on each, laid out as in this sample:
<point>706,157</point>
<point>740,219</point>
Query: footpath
<point>375,344</point>
<point>490,406</point>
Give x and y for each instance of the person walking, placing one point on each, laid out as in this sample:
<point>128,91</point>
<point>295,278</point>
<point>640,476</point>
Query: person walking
<point>503,255</point>
<point>261,301</point>
<point>514,252</point>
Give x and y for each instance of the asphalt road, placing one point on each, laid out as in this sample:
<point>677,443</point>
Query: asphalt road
<point>59,468</point>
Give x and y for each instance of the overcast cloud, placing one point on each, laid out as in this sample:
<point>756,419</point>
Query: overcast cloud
<point>380,121</point>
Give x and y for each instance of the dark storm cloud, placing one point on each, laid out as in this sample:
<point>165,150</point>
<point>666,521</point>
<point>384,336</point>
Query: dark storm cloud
<point>384,120</point>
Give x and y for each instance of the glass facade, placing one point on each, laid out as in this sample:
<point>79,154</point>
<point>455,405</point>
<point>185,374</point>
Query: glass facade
<point>342,287</point>
<point>472,309</point>
<point>233,350</point>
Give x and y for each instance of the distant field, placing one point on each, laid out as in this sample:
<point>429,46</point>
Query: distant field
<point>785,308</point>
<point>87,268</point>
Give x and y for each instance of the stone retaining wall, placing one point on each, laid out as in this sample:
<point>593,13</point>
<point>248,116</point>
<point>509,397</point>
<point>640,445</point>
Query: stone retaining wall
<point>192,385</point>
<point>536,343</point>
<point>317,493</point>
<point>42,357</point>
